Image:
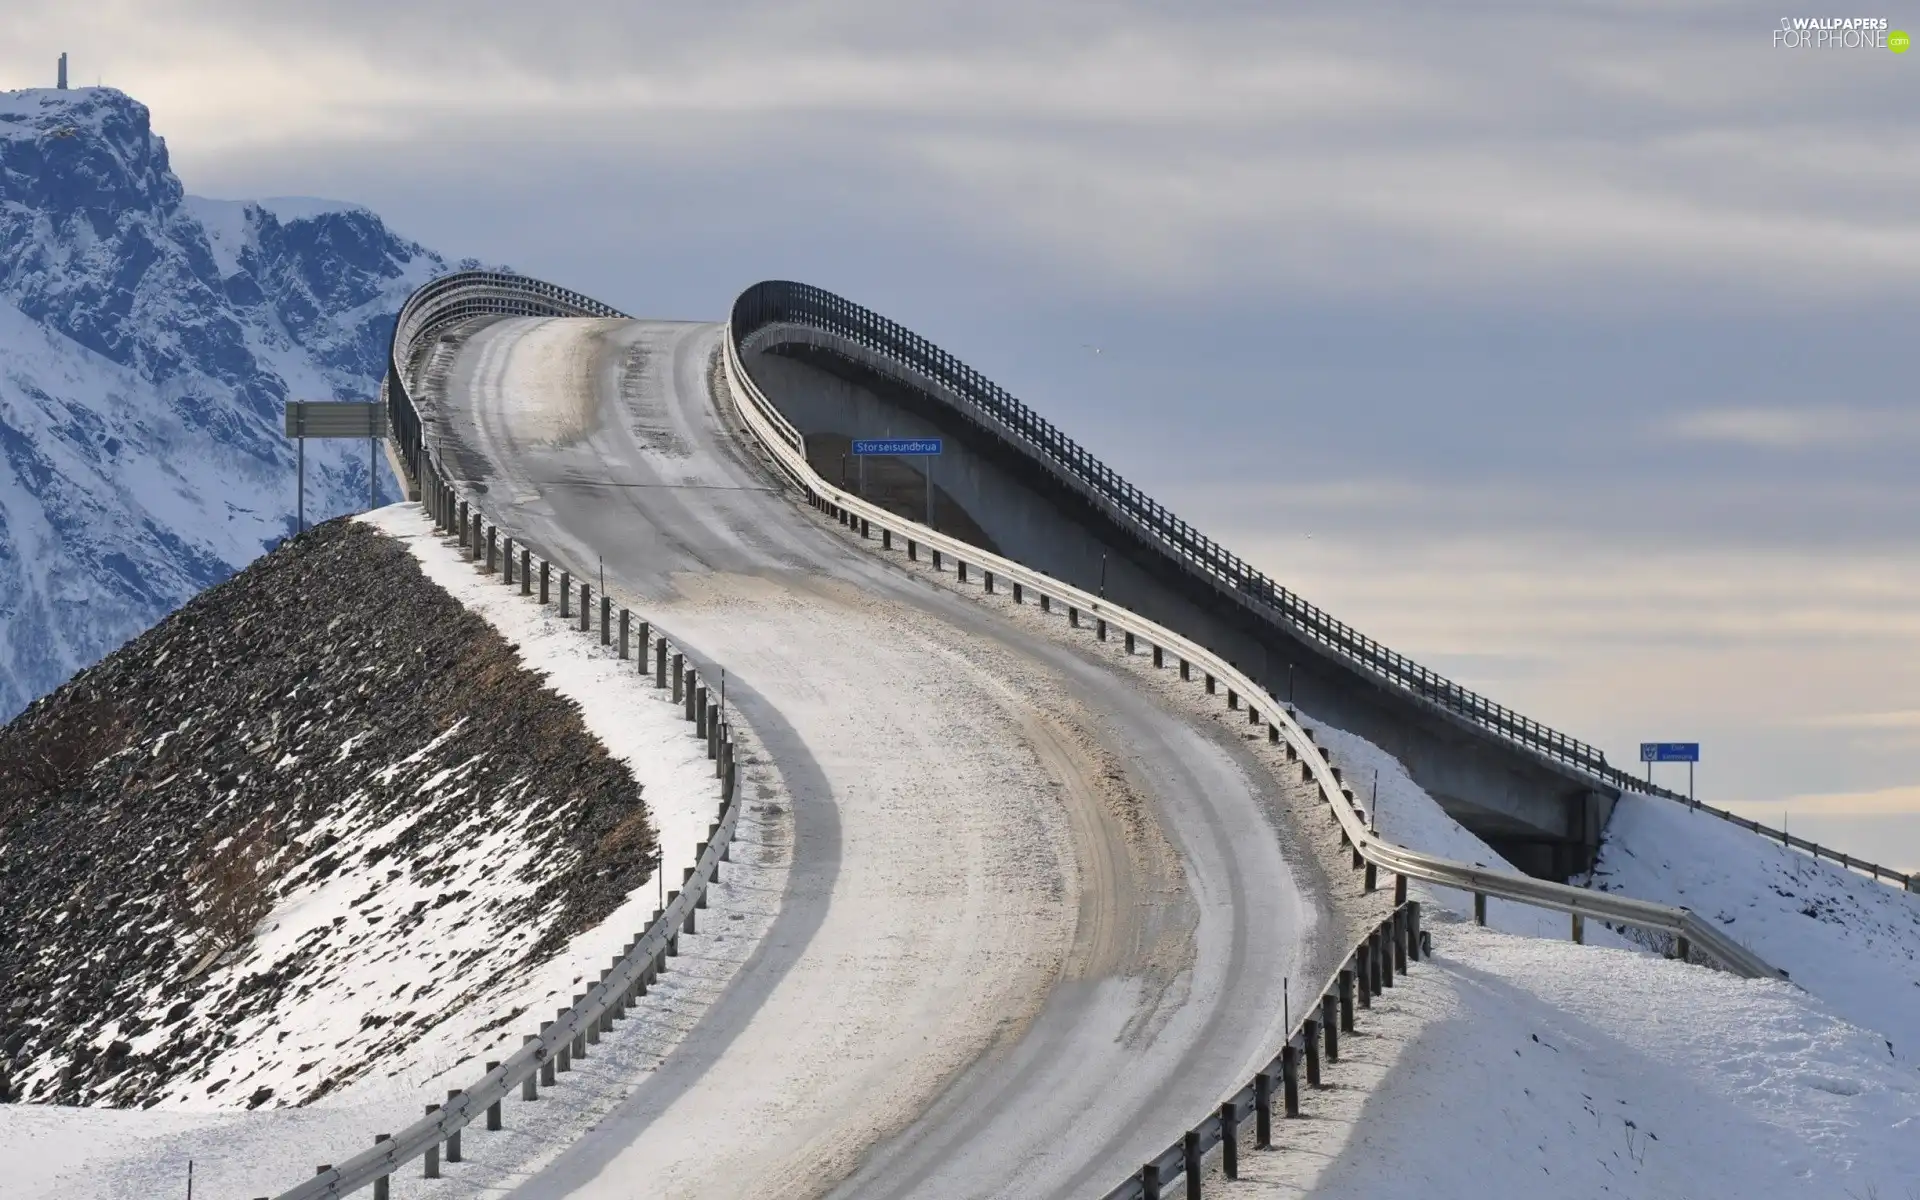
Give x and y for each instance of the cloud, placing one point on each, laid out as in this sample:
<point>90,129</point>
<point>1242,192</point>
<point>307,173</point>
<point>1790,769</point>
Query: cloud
<point>1891,801</point>
<point>1579,156</point>
<point>1898,719</point>
<point>1792,429</point>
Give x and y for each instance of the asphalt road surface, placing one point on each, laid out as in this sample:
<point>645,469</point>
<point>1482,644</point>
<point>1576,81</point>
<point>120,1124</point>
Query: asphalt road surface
<point>1038,916</point>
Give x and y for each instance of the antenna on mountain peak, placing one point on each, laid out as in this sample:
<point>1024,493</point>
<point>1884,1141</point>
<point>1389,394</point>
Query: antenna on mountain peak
<point>62,85</point>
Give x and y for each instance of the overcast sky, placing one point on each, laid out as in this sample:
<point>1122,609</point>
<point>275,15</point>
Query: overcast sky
<point>1567,348</point>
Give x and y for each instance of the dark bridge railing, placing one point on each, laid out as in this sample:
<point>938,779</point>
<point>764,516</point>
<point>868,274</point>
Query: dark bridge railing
<point>779,302</point>
<point>448,301</point>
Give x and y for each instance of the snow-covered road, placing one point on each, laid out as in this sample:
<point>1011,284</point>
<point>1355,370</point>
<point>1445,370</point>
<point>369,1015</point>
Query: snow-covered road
<point>1037,917</point>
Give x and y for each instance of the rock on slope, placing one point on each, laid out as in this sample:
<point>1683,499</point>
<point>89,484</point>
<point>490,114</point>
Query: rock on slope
<point>147,342</point>
<point>311,816</point>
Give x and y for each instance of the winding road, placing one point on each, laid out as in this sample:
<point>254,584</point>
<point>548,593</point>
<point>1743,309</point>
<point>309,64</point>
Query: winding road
<point>1037,915</point>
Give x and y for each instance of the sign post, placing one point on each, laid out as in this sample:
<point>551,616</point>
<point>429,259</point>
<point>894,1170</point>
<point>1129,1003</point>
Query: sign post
<point>927,448</point>
<point>1686,752</point>
<point>333,419</point>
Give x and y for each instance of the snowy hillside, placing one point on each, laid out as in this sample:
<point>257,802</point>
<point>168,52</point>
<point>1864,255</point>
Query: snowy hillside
<point>1852,940</point>
<point>1602,1070</point>
<point>147,341</point>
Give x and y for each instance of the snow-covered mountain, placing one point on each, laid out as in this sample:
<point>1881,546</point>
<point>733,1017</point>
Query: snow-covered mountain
<point>147,341</point>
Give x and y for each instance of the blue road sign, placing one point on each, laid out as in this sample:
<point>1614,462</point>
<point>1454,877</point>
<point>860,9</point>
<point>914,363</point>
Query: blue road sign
<point>1670,752</point>
<point>897,445</point>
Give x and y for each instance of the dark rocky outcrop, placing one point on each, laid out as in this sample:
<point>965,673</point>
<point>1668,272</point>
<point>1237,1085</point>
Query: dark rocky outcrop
<point>153,808</point>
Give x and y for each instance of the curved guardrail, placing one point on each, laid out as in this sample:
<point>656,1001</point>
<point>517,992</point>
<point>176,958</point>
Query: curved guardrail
<point>766,306</point>
<point>787,449</point>
<point>444,302</point>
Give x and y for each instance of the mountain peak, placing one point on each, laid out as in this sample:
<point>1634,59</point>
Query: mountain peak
<point>90,150</point>
<point>147,342</point>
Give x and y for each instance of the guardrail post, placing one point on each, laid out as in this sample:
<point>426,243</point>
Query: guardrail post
<point>1479,908</point>
<point>1399,888</point>
<point>586,607</point>
<point>660,663</point>
<point>529,1087</point>
<point>1213,685</point>
<point>546,573</point>
<point>1186,671</point>
<point>1363,974</point>
<point>1190,1162</point>
<point>1073,617</point>
<point>1233,700</point>
<point>1579,930</point>
<point>580,1035</point>
<point>1373,878</point>
<point>1129,641</point>
<point>1413,931</point>
<point>463,528</point>
<point>1150,1181</point>
<point>913,550</point>
<point>493,1110</point>
<point>700,711</point>
<point>936,560</point>
<point>526,568</point>
<point>886,539</point>
<point>866,530</point>
<point>1683,948</point>
<point>687,691</point>
<point>1290,1079</point>
<point>432,1164</point>
<point>1019,597</point>
<point>1383,946</point>
<point>1346,999</point>
<point>493,535</point>
<point>1330,1025</point>
<point>1310,1029</point>
<point>626,619</point>
<point>606,624</point>
<point>566,593</point>
<point>1100,628</point>
<point>679,670</point>
<point>1159,657</point>
<point>506,561</point>
<point>546,1066</point>
<point>453,1139</point>
<point>382,1187</point>
<point>1046,603</point>
<point>1230,1140</point>
<point>960,566</point>
<point>987,580</point>
<point>1263,1111</point>
<point>1399,933</point>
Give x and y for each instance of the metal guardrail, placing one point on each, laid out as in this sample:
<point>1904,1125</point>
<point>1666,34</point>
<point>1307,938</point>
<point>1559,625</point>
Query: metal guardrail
<point>459,297</point>
<point>778,302</point>
<point>622,984</point>
<point>786,447</point>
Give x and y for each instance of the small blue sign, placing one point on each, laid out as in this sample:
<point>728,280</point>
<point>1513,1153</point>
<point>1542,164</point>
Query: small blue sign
<point>897,445</point>
<point>1669,751</point>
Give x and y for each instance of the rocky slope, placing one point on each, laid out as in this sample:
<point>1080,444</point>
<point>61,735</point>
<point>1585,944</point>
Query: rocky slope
<point>147,342</point>
<point>311,816</point>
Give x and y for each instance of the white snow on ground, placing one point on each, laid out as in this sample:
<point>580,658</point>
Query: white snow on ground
<point>1849,939</point>
<point>1404,813</point>
<point>639,725</point>
<point>137,1153</point>
<point>1512,1068</point>
<point>1529,1066</point>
